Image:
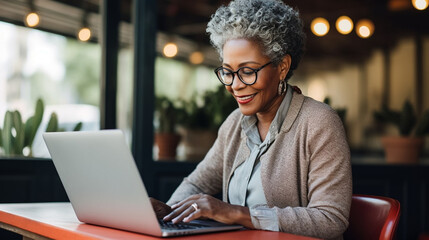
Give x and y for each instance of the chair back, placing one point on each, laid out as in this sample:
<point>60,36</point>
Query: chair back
<point>372,217</point>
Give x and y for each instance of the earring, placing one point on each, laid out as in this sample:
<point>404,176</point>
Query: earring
<point>282,87</point>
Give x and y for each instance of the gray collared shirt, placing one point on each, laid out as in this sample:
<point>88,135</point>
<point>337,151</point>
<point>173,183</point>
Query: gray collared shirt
<point>245,186</point>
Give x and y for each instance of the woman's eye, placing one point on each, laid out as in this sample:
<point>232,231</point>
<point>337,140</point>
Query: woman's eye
<point>247,71</point>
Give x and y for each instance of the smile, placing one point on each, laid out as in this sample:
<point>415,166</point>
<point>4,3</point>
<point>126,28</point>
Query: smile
<point>245,99</point>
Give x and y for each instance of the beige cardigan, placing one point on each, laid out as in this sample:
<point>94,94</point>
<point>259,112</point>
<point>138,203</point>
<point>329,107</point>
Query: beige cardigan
<point>306,172</point>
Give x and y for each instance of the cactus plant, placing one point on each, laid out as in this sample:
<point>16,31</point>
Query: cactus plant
<point>17,135</point>
<point>33,123</point>
<point>53,123</point>
<point>7,138</point>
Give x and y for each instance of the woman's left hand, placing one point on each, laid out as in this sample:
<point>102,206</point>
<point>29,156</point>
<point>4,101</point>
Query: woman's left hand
<point>206,206</point>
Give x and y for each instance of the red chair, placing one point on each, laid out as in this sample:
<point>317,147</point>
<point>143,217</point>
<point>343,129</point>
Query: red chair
<point>424,236</point>
<point>373,217</point>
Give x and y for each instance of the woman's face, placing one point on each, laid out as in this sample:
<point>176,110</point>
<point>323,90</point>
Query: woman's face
<point>261,97</point>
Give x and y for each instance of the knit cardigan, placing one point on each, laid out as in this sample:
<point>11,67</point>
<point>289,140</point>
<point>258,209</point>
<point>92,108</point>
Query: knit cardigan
<point>305,174</point>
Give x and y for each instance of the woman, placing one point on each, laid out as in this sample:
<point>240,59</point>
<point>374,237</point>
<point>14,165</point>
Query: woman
<point>281,160</point>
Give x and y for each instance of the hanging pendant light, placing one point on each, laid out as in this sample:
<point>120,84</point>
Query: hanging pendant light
<point>32,19</point>
<point>344,25</point>
<point>170,49</point>
<point>365,28</point>
<point>84,33</point>
<point>320,26</point>
<point>420,4</point>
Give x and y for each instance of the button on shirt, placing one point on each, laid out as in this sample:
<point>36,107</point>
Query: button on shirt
<point>245,186</point>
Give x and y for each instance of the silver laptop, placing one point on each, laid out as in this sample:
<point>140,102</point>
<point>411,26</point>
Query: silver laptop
<point>104,186</point>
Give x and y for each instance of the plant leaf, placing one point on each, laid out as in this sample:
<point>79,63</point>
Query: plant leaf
<point>38,114</point>
<point>33,123</point>
<point>423,125</point>
<point>20,133</point>
<point>53,123</point>
<point>7,134</point>
<point>29,125</point>
<point>78,127</point>
<point>407,119</point>
<point>17,120</point>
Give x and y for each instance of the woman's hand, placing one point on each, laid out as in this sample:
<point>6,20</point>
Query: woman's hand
<point>206,206</point>
<point>161,209</point>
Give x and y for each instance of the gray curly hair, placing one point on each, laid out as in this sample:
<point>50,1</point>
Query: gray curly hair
<point>271,23</point>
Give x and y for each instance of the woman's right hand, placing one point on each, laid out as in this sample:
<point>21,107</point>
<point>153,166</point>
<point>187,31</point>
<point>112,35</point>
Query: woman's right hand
<point>161,209</point>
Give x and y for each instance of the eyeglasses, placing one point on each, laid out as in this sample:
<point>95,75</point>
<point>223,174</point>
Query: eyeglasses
<point>247,75</point>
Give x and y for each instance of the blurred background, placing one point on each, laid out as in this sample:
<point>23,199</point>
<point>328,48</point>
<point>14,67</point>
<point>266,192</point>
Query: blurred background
<point>386,66</point>
<point>146,67</point>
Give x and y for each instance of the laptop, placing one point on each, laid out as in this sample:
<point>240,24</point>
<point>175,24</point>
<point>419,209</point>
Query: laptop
<point>104,186</point>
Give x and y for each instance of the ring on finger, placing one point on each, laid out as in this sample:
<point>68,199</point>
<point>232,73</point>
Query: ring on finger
<point>195,206</point>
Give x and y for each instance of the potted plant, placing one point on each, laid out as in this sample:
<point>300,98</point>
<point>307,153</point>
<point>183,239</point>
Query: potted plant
<point>16,136</point>
<point>166,137</point>
<point>202,119</point>
<point>405,148</point>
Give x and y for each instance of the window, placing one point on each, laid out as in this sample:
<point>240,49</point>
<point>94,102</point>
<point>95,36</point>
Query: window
<point>61,71</point>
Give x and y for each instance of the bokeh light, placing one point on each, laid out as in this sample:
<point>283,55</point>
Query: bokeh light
<point>196,57</point>
<point>320,26</point>
<point>170,50</point>
<point>84,34</point>
<point>32,19</point>
<point>364,28</point>
<point>420,4</point>
<point>344,25</point>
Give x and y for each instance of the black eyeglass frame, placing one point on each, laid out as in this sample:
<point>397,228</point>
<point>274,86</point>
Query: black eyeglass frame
<point>255,70</point>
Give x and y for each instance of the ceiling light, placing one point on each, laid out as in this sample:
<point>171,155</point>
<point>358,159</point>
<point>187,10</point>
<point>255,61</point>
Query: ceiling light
<point>32,19</point>
<point>320,26</point>
<point>364,28</point>
<point>170,50</point>
<point>344,25</point>
<point>420,4</point>
<point>196,57</point>
<point>84,34</point>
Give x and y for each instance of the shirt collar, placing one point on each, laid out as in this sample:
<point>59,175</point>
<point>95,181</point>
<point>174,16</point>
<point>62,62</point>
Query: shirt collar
<point>248,123</point>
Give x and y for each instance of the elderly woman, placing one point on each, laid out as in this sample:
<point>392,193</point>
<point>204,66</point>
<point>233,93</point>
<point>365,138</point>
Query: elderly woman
<point>281,160</point>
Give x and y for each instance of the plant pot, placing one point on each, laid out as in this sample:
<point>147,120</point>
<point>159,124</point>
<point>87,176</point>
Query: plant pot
<point>197,142</point>
<point>167,145</point>
<point>402,149</point>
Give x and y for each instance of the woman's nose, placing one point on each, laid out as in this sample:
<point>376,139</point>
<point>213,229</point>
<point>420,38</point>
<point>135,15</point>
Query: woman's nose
<point>237,83</point>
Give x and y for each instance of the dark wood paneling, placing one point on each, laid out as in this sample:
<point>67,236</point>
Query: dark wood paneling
<point>29,180</point>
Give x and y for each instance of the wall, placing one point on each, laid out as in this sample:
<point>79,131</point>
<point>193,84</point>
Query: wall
<point>374,78</point>
<point>403,73</point>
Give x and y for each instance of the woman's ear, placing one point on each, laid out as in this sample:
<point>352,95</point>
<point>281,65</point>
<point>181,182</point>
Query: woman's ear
<point>284,66</point>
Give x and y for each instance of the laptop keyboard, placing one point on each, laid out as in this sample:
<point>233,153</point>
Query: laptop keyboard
<point>179,226</point>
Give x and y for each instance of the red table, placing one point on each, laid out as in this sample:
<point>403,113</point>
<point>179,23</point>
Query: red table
<point>58,221</point>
